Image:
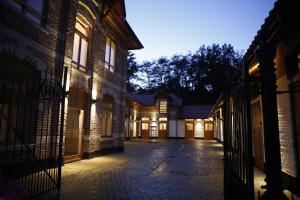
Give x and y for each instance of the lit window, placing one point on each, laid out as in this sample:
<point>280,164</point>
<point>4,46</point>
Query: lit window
<point>208,127</point>
<point>145,119</point>
<point>162,126</point>
<point>163,106</point>
<point>110,54</point>
<point>107,116</point>
<point>189,126</point>
<point>107,123</point>
<point>189,120</point>
<point>163,119</point>
<point>80,46</point>
<point>33,9</point>
<point>145,126</point>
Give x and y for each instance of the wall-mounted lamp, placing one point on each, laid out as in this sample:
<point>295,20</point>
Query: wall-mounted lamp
<point>154,118</point>
<point>68,81</point>
<point>94,95</point>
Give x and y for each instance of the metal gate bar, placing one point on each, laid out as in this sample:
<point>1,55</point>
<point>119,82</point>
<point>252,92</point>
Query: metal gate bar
<point>238,162</point>
<point>30,123</point>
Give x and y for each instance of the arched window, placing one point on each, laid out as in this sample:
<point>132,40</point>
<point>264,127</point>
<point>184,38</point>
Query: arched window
<point>110,54</point>
<point>107,116</point>
<point>80,45</point>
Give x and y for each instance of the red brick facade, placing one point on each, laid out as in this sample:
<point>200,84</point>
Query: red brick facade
<point>48,45</point>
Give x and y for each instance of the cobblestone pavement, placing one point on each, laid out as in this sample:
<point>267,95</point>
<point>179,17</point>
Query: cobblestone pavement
<point>173,169</point>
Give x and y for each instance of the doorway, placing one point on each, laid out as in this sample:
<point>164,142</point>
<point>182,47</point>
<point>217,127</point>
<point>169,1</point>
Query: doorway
<point>73,136</point>
<point>208,130</point>
<point>257,134</point>
<point>153,132</point>
<point>145,130</point>
<point>189,129</point>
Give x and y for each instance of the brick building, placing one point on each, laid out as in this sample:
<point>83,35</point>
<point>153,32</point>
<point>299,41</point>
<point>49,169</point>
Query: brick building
<point>39,40</point>
<point>96,53</point>
<point>162,115</point>
<point>280,33</point>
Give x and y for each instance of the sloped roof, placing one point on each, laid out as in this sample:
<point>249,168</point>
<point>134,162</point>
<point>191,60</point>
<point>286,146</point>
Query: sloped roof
<point>143,99</point>
<point>118,7</point>
<point>195,112</point>
<point>150,99</point>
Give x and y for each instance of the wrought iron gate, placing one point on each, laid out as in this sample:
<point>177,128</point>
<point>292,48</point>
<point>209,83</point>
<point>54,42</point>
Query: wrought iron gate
<point>30,134</point>
<point>238,159</point>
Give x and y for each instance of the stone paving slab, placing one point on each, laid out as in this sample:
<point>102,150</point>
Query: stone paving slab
<point>168,169</point>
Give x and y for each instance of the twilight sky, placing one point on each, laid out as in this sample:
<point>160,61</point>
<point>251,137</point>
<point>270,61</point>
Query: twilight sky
<point>168,27</point>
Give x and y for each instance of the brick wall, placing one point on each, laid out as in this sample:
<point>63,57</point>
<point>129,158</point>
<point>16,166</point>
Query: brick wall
<point>285,129</point>
<point>28,43</point>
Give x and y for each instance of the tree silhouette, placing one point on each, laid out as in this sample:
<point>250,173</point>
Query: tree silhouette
<point>197,77</point>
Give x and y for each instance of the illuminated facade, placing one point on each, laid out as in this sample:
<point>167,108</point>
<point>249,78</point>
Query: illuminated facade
<point>163,116</point>
<point>277,46</point>
<point>96,55</point>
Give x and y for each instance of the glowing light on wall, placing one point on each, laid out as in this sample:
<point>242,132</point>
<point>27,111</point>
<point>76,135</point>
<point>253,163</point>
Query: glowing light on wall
<point>68,81</point>
<point>134,129</point>
<point>153,123</point>
<point>163,119</point>
<point>93,110</point>
<point>253,68</point>
<point>154,116</point>
<point>94,94</point>
<point>199,128</point>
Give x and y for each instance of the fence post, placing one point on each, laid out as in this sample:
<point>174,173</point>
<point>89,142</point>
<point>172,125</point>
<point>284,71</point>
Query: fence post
<point>274,189</point>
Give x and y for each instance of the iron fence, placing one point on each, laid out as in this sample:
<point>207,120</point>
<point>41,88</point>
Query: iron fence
<point>30,135</point>
<point>238,159</point>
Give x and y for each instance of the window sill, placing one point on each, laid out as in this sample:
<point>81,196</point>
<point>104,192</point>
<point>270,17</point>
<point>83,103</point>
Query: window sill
<point>114,72</point>
<point>76,69</point>
<point>19,13</point>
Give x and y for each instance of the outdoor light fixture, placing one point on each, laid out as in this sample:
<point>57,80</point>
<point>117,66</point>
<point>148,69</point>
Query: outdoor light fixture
<point>154,116</point>
<point>67,89</point>
<point>94,95</point>
<point>134,114</point>
<point>299,62</point>
<point>253,68</point>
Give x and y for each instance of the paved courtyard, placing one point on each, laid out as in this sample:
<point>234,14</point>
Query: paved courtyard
<point>173,169</point>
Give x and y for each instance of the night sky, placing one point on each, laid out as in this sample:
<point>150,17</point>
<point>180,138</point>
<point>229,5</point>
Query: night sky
<point>168,27</point>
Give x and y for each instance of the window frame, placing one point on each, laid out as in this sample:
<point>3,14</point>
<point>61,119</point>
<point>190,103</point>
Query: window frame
<point>105,133</point>
<point>160,106</point>
<point>107,107</point>
<point>148,125</point>
<point>108,65</point>
<point>163,123</point>
<point>208,127</point>
<point>24,8</point>
<point>81,37</point>
<point>187,125</point>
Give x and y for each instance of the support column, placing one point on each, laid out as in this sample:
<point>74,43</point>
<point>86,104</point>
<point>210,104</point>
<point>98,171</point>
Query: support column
<point>274,189</point>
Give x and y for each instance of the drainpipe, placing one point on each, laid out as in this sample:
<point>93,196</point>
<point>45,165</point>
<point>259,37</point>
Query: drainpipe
<point>62,72</point>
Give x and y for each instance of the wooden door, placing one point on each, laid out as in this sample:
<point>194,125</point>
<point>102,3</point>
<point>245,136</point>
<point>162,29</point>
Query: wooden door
<point>163,132</point>
<point>189,130</point>
<point>153,132</point>
<point>208,130</point>
<point>73,135</point>
<point>145,130</point>
<point>257,134</point>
